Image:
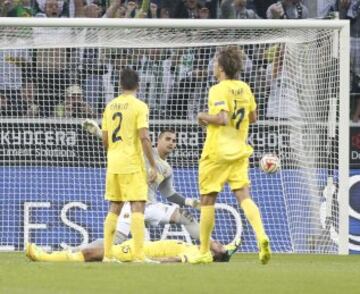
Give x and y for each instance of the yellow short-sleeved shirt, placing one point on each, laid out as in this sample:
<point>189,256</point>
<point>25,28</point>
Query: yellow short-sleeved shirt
<point>229,143</point>
<point>122,119</point>
<point>157,249</point>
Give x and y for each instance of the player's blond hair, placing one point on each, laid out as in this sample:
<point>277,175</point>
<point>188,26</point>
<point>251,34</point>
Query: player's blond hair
<point>231,60</point>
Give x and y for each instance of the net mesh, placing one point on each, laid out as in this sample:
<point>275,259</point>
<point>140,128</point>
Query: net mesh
<point>52,171</point>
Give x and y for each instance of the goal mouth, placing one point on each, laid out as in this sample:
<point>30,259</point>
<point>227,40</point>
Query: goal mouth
<point>61,72</point>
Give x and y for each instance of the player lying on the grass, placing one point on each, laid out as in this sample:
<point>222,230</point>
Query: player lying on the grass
<point>156,212</point>
<point>163,251</point>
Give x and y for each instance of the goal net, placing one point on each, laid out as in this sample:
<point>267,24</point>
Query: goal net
<point>56,73</point>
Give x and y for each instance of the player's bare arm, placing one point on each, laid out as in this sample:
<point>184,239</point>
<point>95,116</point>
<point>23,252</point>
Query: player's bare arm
<point>105,139</point>
<point>252,117</point>
<point>147,148</point>
<point>220,119</point>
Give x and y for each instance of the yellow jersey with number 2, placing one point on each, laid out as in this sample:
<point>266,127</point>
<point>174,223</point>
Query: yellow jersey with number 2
<point>229,143</point>
<point>122,118</point>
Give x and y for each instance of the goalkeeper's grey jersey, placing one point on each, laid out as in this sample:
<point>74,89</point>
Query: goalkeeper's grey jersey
<point>164,180</point>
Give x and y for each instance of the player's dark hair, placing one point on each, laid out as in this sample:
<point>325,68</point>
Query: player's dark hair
<point>221,257</point>
<point>166,130</point>
<point>230,59</point>
<point>129,79</point>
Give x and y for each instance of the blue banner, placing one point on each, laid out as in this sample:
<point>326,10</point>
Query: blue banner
<point>354,220</point>
<point>60,207</point>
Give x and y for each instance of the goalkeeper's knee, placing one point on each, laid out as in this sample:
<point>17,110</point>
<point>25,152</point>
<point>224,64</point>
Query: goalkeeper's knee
<point>185,218</point>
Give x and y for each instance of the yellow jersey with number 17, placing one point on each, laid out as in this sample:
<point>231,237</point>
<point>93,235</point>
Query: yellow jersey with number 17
<point>229,143</point>
<point>122,119</point>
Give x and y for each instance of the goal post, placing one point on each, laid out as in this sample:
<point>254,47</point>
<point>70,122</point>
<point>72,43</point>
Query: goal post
<point>344,66</point>
<point>58,72</point>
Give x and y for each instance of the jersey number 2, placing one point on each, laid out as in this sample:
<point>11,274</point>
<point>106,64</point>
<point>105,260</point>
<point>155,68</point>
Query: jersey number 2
<point>238,115</point>
<point>115,136</point>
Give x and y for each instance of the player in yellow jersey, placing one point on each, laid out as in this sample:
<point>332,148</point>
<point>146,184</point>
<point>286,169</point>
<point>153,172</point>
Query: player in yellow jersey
<point>164,251</point>
<point>125,136</point>
<point>225,156</point>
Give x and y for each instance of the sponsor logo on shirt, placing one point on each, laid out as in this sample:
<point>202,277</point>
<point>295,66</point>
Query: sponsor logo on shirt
<point>217,103</point>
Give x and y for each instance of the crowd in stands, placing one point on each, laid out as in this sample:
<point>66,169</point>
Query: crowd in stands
<point>172,80</point>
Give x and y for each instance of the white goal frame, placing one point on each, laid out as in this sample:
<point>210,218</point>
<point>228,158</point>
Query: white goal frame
<point>343,37</point>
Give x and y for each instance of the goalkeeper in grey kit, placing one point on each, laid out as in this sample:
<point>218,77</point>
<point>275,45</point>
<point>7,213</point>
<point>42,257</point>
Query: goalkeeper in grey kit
<point>157,212</point>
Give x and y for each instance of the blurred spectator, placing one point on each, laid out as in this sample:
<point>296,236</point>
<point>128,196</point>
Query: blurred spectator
<point>115,10</point>
<point>74,105</point>
<point>6,107</point>
<point>204,12</point>
<point>213,6</point>
<point>152,78</point>
<point>327,8</point>
<point>237,9</point>
<point>177,65</point>
<point>185,102</point>
<point>115,59</point>
<point>287,9</point>
<point>262,6</point>
<point>131,9</point>
<point>26,100</point>
<point>154,9</point>
<point>189,9</point>
<point>52,68</point>
<point>251,5</point>
<point>49,75</point>
<point>51,8</point>
<point>91,10</point>
<point>189,95</point>
<point>10,73</point>
<point>137,8</point>
<point>283,99</point>
<point>355,97</point>
<point>20,8</point>
<point>92,70</point>
<point>256,76</point>
<point>6,6</point>
<point>353,13</point>
<point>90,67</point>
<point>164,12</point>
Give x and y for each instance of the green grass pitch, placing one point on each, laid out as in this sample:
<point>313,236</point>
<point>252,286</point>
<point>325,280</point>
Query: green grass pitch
<point>290,274</point>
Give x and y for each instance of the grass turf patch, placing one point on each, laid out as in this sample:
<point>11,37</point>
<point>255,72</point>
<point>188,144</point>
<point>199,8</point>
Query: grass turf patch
<point>290,273</point>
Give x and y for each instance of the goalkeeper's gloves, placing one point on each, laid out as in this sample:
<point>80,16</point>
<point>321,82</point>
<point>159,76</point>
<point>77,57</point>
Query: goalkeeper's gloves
<point>92,127</point>
<point>194,203</point>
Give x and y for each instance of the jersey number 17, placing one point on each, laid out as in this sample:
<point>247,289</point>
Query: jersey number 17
<point>238,115</point>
